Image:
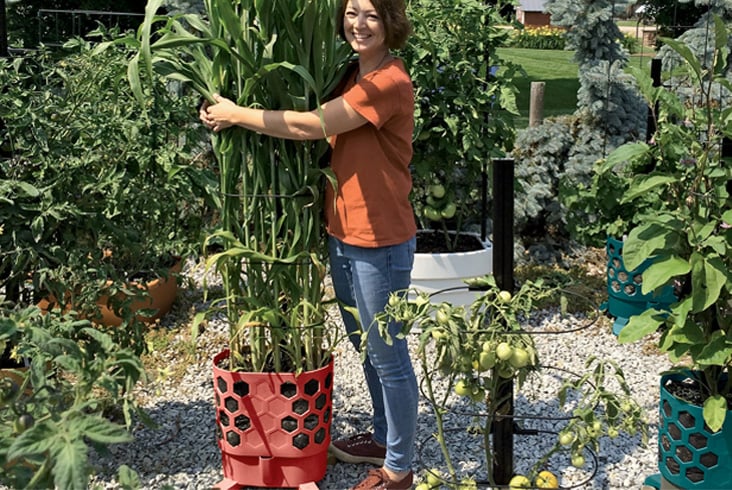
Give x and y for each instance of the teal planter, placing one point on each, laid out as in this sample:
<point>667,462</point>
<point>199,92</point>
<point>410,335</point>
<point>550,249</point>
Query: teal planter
<point>625,298</point>
<point>689,455</point>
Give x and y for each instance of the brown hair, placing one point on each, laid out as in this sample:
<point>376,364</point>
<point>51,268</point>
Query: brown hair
<point>394,15</point>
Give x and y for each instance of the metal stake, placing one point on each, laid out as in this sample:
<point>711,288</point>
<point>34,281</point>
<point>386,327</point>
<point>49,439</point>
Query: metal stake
<point>503,273</point>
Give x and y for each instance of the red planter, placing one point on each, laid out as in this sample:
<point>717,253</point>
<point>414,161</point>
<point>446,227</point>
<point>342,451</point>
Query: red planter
<point>273,429</point>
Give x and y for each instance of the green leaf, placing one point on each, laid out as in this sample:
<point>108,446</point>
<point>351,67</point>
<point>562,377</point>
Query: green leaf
<point>37,440</point>
<point>641,185</point>
<point>708,277</point>
<point>715,411</point>
<point>643,243</point>
<point>626,153</point>
<point>661,271</point>
<point>99,429</point>
<point>71,466</point>
<point>641,325</point>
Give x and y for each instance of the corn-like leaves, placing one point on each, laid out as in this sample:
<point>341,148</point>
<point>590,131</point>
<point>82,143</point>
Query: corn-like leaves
<point>274,55</point>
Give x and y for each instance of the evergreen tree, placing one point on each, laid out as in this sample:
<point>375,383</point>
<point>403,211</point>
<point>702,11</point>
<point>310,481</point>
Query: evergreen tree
<point>609,113</point>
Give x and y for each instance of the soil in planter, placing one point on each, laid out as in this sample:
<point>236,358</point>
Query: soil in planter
<point>690,391</point>
<point>433,242</point>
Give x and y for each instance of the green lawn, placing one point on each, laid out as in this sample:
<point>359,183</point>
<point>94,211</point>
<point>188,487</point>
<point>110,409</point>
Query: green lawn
<point>556,69</point>
<point>559,72</point>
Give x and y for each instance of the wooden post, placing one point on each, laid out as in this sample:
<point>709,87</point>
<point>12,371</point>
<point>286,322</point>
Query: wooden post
<point>536,103</point>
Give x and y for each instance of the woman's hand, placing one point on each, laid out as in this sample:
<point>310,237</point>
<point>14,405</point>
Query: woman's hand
<point>220,115</point>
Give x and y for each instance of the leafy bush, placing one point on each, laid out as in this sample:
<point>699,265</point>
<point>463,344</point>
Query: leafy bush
<point>90,172</point>
<point>610,112</point>
<point>544,37</point>
<point>54,411</point>
<point>463,107</point>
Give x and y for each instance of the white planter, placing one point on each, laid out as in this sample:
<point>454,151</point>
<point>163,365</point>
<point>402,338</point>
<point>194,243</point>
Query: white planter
<point>442,274</point>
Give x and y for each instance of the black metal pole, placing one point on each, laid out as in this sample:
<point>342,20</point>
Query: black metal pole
<point>3,31</point>
<point>503,273</point>
<point>656,76</point>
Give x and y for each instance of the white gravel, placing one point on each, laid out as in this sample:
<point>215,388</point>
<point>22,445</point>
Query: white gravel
<point>182,452</point>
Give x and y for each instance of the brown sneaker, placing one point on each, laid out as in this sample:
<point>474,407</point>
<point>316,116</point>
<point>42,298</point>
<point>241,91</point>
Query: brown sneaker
<point>360,448</point>
<point>377,479</point>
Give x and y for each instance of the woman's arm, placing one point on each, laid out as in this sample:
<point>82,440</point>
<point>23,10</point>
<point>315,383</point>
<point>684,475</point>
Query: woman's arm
<point>337,117</point>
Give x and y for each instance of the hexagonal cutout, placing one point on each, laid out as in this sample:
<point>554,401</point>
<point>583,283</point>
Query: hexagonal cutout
<point>311,422</point>
<point>289,424</point>
<point>622,276</point>
<point>683,453</point>
<point>300,406</point>
<point>223,418</point>
<point>694,474</point>
<point>320,401</point>
<point>674,432</point>
<point>665,443</point>
<point>326,416</point>
<point>233,438</point>
<point>698,441</point>
<point>638,279</point>
<point>666,407</point>
<point>328,381</point>
<point>629,289</point>
<point>288,390</point>
<point>672,466</point>
<point>320,436</point>
<point>709,460</point>
<point>615,285</point>
<point>312,387</point>
<point>221,384</point>
<point>231,404</point>
<point>241,388</point>
<point>686,419</point>
<point>242,422</point>
<point>301,441</point>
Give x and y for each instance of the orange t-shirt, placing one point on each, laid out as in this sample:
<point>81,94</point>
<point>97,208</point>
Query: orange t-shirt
<point>371,163</point>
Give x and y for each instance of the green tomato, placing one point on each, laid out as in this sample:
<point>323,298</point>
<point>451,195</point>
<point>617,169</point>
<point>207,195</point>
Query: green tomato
<point>462,388</point>
<point>504,296</point>
<point>449,210</point>
<point>438,191</point>
<point>566,438</point>
<point>518,482</point>
<point>519,358</point>
<point>504,351</point>
<point>506,371</point>
<point>431,213</point>
<point>486,360</point>
<point>578,461</point>
<point>434,477</point>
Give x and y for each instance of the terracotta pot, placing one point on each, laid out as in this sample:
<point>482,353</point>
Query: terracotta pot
<point>162,293</point>
<point>273,429</point>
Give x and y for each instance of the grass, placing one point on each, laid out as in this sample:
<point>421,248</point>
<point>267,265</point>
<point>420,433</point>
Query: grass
<point>553,67</point>
<point>558,71</point>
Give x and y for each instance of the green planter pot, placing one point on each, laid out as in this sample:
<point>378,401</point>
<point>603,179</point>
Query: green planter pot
<point>625,298</point>
<point>690,456</point>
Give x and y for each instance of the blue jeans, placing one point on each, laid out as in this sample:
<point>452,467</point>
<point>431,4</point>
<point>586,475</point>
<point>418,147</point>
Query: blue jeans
<point>363,278</point>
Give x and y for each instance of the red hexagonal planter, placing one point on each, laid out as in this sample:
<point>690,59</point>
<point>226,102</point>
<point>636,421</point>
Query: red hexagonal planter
<point>273,429</point>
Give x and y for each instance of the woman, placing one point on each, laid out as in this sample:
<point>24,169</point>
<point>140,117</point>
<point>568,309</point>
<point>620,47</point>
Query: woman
<point>371,226</point>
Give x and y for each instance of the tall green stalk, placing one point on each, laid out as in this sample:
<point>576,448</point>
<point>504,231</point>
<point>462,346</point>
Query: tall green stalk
<point>274,55</point>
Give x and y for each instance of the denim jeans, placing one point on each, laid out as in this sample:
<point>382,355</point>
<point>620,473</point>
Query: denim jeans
<point>363,278</point>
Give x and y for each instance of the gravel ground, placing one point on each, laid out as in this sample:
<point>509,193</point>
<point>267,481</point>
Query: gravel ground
<point>182,452</point>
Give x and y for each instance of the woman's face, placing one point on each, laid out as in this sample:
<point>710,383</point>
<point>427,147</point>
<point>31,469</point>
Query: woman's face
<point>363,27</point>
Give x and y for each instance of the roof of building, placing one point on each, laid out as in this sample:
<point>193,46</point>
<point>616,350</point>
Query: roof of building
<point>532,5</point>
